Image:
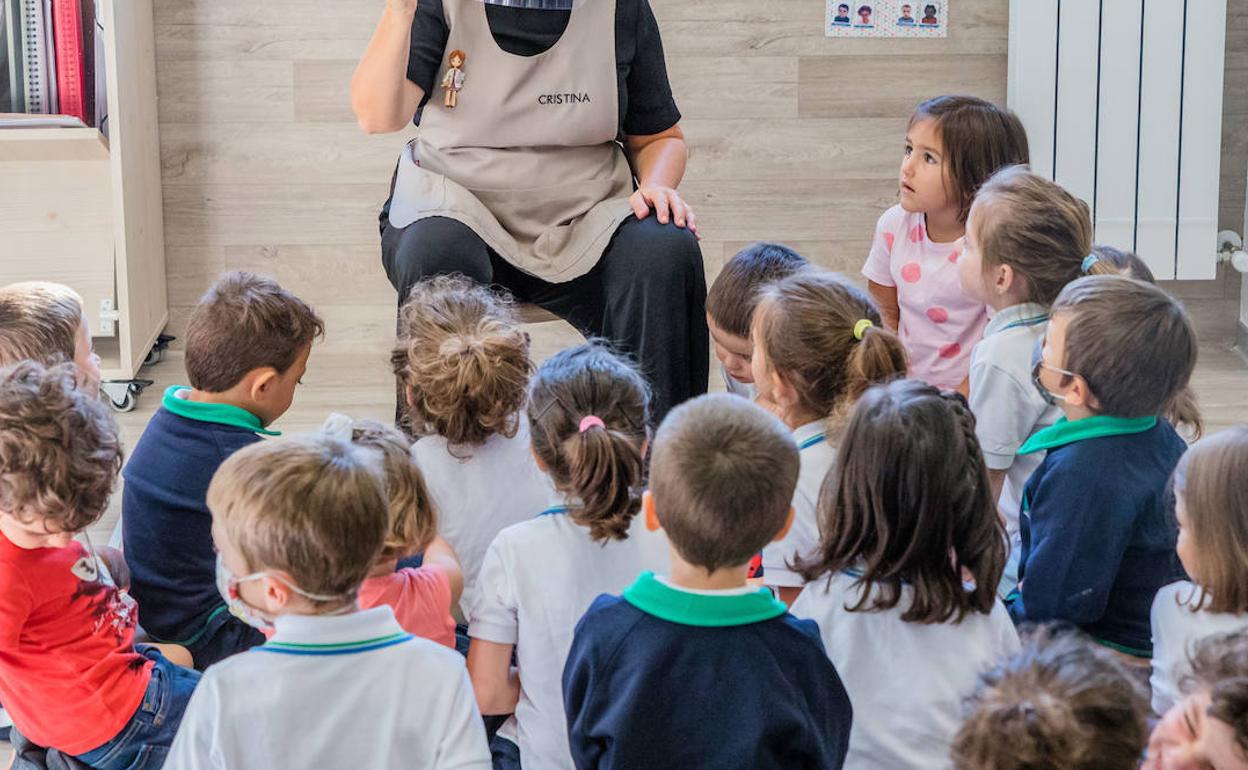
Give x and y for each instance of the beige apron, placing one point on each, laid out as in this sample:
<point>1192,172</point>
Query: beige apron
<point>528,158</point>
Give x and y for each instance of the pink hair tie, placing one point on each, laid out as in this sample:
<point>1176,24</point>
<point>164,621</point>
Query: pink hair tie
<point>590,421</point>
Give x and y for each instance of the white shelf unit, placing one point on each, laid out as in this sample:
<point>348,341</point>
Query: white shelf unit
<point>85,210</point>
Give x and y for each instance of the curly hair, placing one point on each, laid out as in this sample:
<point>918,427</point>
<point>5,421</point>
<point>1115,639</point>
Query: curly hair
<point>59,448</point>
<point>413,522</point>
<point>464,360</point>
<point>1062,703</point>
<point>909,503</point>
<point>1219,664</point>
<point>599,466</point>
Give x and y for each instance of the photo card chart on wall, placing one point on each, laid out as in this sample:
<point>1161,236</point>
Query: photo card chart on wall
<point>887,18</point>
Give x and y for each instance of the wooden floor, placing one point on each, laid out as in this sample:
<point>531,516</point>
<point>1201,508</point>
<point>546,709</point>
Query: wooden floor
<point>360,384</point>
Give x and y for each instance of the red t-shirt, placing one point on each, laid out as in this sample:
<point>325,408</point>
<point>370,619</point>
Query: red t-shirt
<point>69,675</point>
<point>420,598</point>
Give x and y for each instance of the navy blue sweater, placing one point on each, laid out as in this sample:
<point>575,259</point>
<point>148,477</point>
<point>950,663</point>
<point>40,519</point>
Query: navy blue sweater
<point>166,524</point>
<point>1099,531</point>
<point>644,692</point>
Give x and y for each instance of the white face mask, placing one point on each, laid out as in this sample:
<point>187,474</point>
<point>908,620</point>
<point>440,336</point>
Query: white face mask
<point>227,585</point>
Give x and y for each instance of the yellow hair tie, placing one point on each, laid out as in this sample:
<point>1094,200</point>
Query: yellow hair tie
<point>861,327</point>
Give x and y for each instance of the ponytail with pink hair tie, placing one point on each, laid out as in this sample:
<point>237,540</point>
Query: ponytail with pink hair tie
<point>591,421</point>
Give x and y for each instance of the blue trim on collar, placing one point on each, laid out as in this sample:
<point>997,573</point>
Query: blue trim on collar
<point>330,649</point>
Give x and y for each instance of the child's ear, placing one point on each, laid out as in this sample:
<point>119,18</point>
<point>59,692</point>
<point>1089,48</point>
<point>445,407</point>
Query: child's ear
<point>277,592</point>
<point>1081,395</point>
<point>786,394</point>
<point>788,523</point>
<point>647,507</point>
<point>541,466</point>
<point>262,380</point>
<point>1005,279</point>
<point>409,394</point>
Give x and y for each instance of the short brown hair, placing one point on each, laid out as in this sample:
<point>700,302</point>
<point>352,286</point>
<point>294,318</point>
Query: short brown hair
<point>1112,261</point>
<point>465,358</point>
<point>312,506</point>
<point>909,502</point>
<point>722,474</point>
<point>246,322</point>
<point>805,324</point>
<point>1035,227</point>
<point>601,466</point>
<point>59,449</point>
<point>413,522</point>
<point>1219,664</point>
<point>39,322</point>
<point>1130,341</point>
<point>735,293</point>
<point>1062,703</point>
<point>1212,480</point>
<point>979,137</point>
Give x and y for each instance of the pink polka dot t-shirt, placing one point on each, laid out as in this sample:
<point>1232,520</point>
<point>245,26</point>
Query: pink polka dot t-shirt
<point>939,325</point>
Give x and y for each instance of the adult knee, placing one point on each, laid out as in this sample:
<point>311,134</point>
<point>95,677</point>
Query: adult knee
<point>662,254</point>
<point>434,246</point>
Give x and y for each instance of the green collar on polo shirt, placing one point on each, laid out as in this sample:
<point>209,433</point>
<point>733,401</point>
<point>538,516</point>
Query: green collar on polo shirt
<point>1065,432</point>
<point>221,414</point>
<point>653,597</point>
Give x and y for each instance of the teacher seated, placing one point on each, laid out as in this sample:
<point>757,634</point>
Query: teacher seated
<point>547,164</point>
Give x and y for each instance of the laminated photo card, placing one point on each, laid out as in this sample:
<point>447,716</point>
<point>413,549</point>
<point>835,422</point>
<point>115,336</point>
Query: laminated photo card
<point>887,18</point>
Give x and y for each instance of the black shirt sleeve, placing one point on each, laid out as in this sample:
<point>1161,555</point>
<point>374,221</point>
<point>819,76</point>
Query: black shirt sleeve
<point>429,35</point>
<point>646,102</point>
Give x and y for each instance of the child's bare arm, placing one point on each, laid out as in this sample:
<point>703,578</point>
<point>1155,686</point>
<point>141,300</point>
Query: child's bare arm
<point>886,298</point>
<point>494,680</point>
<point>440,554</point>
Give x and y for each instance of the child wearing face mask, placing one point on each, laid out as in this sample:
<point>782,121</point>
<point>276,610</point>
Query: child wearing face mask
<point>298,525</point>
<point>1208,729</point>
<point>1097,523</point>
<point>953,144</point>
<point>1211,503</point>
<point>71,677</point>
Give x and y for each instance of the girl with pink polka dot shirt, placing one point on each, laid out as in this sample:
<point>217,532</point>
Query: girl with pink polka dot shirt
<point>953,145</point>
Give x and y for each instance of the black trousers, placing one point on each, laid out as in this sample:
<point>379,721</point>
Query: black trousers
<point>646,295</point>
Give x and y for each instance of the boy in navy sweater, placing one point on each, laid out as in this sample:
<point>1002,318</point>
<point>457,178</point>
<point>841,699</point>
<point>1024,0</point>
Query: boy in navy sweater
<point>696,669</point>
<point>1098,526</point>
<point>247,345</point>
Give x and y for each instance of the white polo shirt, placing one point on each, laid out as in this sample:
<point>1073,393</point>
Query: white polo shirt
<point>906,681</point>
<point>538,579</point>
<point>1008,409</point>
<point>818,455</point>
<point>349,691</point>
<point>479,495</point>
<point>1176,630</point>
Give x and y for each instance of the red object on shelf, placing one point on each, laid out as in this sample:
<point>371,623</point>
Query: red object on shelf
<point>72,69</point>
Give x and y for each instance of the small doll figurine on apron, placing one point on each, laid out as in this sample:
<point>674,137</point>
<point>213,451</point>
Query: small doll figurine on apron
<point>453,81</point>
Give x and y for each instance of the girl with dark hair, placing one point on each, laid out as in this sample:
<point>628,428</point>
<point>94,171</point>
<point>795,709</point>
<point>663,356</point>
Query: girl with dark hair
<point>903,584</point>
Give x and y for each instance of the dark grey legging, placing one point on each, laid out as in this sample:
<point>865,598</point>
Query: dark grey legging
<point>646,295</point>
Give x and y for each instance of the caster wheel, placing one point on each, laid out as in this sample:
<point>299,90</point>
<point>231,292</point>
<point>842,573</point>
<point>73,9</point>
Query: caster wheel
<point>126,404</point>
<point>154,356</point>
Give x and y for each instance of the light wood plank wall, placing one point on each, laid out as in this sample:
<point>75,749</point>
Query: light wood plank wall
<point>793,137</point>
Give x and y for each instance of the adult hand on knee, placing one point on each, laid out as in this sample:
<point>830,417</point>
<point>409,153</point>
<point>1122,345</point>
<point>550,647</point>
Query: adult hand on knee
<point>667,204</point>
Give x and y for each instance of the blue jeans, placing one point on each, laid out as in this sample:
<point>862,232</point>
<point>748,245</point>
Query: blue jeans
<point>145,740</point>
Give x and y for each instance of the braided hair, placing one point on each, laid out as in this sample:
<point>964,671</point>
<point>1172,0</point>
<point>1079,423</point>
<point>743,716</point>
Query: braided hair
<point>909,504</point>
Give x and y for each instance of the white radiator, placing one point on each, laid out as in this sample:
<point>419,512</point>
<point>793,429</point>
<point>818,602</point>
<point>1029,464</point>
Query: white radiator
<point>1122,100</point>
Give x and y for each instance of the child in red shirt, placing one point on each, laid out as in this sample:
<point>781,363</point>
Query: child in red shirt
<point>70,676</point>
<point>421,597</point>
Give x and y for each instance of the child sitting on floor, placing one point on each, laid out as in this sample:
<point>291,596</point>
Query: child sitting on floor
<point>1062,703</point>
<point>298,525</point>
<point>247,346</point>
<point>464,362</point>
<point>1097,524</point>
<point>44,322</point>
<point>730,304</point>
<point>589,418</point>
<point>953,144</point>
<point>721,483</point>
<point>1026,238</point>
<point>818,344</point>
<point>70,676</point>
<point>1211,505</point>
<point>421,597</point>
<point>903,583</point>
